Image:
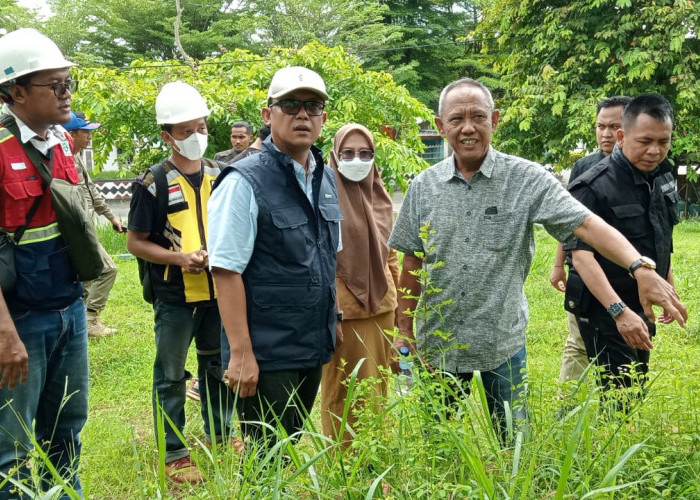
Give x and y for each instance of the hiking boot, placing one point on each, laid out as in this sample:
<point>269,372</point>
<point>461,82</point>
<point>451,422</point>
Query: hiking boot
<point>96,328</point>
<point>193,390</point>
<point>183,470</point>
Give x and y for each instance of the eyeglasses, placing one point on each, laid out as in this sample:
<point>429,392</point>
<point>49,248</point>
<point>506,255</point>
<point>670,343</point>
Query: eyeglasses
<point>293,106</point>
<point>59,88</point>
<point>363,154</point>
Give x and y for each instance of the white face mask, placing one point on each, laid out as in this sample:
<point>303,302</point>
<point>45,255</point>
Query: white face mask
<point>193,147</point>
<point>355,170</point>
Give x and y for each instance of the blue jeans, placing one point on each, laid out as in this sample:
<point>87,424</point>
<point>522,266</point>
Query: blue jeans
<point>54,396</point>
<point>506,382</point>
<point>175,327</point>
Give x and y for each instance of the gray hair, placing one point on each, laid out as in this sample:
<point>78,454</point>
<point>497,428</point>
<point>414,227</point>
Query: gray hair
<point>464,82</point>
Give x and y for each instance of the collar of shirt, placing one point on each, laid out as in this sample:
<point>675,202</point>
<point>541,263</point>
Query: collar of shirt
<point>638,176</point>
<point>304,180</point>
<point>26,134</point>
<point>449,168</point>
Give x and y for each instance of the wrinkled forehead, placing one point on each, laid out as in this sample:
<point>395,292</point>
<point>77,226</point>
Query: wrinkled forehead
<point>465,97</point>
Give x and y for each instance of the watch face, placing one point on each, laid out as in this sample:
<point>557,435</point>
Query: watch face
<point>616,309</point>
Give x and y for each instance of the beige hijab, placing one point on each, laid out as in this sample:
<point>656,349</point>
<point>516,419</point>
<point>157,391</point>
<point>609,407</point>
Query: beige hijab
<point>367,220</point>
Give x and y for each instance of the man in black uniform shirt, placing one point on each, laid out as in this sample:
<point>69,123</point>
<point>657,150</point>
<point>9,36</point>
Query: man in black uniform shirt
<point>574,358</point>
<point>633,190</point>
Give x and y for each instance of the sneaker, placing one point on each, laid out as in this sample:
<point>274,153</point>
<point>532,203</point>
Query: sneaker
<point>183,470</point>
<point>193,390</point>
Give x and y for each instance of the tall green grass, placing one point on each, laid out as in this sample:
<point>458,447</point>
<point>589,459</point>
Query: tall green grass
<point>415,448</point>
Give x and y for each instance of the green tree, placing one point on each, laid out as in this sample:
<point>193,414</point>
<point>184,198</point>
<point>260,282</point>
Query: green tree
<point>235,87</point>
<point>13,16</point>
<point>355,24</point>
<point>437,46</point>
<point>422,44</point>
<point>114,32</point>
<point>559,58</point>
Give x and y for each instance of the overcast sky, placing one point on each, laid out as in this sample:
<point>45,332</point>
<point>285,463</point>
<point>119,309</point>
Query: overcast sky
<point>42,5</point>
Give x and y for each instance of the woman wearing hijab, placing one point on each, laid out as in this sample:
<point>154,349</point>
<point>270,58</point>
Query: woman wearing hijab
<point>366,277</point>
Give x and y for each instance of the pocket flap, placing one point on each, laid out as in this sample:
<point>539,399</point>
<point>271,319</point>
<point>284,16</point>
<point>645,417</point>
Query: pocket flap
<point>290,217</point>
<point>276,296</point>
<point>330,212</point>
<point>673,197</point>
<point>626,211</point>
<point>23,189</point>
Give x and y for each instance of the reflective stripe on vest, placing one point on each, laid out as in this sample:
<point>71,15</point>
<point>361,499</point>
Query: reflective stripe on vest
<point>37,234</point>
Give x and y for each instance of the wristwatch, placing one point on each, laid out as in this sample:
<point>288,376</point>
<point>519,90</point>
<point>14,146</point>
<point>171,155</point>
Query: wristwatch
<point>339,315</point>
<point>641,262</point>
<point>616,309</point>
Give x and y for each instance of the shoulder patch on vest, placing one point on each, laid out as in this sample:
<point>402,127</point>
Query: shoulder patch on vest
<point>4,134</point>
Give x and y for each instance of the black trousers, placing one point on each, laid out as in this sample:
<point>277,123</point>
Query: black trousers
<point>283,398</point>
<point>606,346</point>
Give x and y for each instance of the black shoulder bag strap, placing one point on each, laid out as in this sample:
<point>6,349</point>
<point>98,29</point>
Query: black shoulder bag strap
<point>9,123</point>
<point>161,181</point>
<point>29,149</point>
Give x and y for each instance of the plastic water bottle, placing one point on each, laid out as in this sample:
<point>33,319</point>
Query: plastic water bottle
<point>404,381</point>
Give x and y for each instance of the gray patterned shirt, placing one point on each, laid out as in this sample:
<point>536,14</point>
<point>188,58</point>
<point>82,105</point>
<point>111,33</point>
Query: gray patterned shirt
<point>484,235</point>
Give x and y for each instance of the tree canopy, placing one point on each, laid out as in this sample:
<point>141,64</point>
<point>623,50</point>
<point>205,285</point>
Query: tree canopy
<point>559,58</point>
<point>235,87</point>
<point>423,44</point>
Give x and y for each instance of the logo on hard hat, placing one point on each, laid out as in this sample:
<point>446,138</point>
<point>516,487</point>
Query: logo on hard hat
<point>9,70</point>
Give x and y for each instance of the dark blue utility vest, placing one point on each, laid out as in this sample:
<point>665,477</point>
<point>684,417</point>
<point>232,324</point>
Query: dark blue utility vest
<point>290,279</point>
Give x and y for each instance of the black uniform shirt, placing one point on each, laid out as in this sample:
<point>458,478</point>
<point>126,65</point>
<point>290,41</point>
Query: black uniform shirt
<point>642,206</point>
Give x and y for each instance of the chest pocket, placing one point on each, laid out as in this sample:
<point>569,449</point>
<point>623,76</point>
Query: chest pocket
<point>19,198</point>
<point>497,230</point>
<point>332,215</point>
<point>292,225</point>
<point>632,220</point>
<point>672,200</point>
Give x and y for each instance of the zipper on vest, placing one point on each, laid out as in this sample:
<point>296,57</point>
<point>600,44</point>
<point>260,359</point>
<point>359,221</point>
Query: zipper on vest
<point>200,226</point>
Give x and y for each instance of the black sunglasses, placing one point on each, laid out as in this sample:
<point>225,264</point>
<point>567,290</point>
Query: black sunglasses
<point>293,106</point>
<point>60,88</point>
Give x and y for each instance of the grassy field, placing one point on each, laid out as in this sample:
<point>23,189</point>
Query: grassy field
<point>417,450</point>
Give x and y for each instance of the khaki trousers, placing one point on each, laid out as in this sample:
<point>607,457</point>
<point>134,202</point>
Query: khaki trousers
<point>574,359</point>
<point>97,290</point>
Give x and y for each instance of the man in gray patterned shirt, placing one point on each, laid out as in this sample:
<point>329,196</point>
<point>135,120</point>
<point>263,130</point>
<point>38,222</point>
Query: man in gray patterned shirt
<point>482,205</point>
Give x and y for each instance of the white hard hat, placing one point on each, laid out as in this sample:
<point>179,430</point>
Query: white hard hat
<point>293,78</point>
<point>26,51</point>
<point>179,102</point>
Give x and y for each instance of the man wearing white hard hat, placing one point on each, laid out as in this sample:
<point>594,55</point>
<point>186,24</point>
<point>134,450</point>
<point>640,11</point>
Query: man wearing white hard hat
<point>274,229</point>
<point>172,238</point>
<point>97,290</point>
<point>43,333</point>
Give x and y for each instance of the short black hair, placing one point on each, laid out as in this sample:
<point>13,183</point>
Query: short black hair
<point>242,124</point>
<point>264,131</point>
<point>654,105</point>
<point>616,101</point>
<point>168,127</point>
